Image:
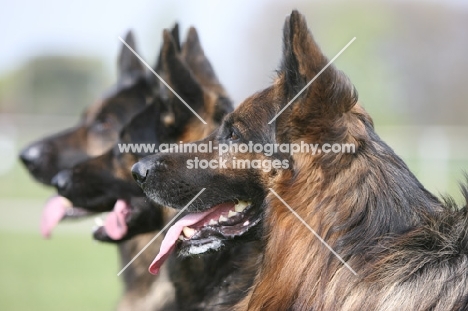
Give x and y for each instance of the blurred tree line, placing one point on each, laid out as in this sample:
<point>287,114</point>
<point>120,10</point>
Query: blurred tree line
<point>408,62</point>
<point>53,85</point>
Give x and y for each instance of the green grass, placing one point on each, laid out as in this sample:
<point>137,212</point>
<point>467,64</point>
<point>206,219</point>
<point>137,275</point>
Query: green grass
<point>17,183</point>
<point>69,272</point>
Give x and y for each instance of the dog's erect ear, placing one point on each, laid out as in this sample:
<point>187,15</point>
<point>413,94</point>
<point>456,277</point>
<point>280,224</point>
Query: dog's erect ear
<point>331,93</point>
<point>128,64</point>
<point>194,56</point>
<point>176,36</point>
<point>181,79</point>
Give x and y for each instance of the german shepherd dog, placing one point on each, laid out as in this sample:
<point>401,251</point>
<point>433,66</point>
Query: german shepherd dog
<point>105,182</point>
<point>100,124</point>
<point>98,183</point>
<point>97,132</point>
<point>404,249</point>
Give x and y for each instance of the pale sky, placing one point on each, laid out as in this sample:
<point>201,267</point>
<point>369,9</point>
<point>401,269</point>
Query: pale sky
<point>90,27</point>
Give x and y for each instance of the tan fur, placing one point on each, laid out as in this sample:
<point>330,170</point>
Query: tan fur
<point>409,250</point>
<point>142,292</point>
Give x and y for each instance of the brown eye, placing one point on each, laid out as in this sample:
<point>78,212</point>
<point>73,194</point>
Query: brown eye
<point>233,135</point>
<point>103,125</point>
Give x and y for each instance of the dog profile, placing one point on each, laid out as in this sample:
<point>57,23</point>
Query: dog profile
<point>105,183</point>
<point>165,120</point>
<point>403,247</point>
<point>99,126</point>
<point>96,133</point>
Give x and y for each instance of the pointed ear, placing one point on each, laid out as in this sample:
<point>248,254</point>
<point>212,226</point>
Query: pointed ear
<point>181,79</point>
<point>331,93</point>
<point>176,38</point>
<point>129,65</point>
<point>194,56</point>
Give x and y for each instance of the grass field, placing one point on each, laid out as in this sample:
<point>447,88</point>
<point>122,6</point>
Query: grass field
<point>72,272</point>
<point>69,272</point>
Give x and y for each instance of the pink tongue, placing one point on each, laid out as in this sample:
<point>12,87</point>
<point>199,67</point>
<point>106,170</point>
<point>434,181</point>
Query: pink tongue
<point>53,212</point>
<point>168,244</point>
<point>115,224</point>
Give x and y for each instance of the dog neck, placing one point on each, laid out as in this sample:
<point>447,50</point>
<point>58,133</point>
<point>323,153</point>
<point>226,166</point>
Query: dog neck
<point>143,291</point>
<point>350,201</point>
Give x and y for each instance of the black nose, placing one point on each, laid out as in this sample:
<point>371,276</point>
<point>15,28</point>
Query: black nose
<point>31,156</point>
<point>62,181</point>
<point>139,172</point>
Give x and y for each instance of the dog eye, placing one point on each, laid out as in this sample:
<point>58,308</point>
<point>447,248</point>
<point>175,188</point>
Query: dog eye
<point>233,135</point>
<point>102,125</point>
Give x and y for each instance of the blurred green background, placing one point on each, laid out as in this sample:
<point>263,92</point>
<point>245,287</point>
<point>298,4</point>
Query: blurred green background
<point>408,64</point>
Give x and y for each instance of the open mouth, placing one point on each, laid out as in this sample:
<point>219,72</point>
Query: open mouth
<point>59,208</point>
<point>197,233</point>
<point>114,227</point>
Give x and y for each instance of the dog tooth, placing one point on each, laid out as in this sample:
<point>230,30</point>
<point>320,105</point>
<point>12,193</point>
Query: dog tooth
<point>212,222</point>
<point>189,232</point>
<point>246,223</point>
<point>222,218</point>
<point>181,237</point>
<point>232,214</point>
<point>239,207</point>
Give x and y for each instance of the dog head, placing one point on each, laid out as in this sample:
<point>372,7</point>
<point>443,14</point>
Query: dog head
<point>236,183</point>
<point>99,126</point>
<point>97,132</point>
<point>97,184</point>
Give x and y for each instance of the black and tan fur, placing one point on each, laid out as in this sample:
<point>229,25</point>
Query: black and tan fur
<point>97,183</point>
<point>409,250</point>
<point>99,126</point>
<point>96,133</point>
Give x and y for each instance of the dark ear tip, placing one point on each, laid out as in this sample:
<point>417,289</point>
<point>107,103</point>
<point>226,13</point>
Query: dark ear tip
<point>192,32</point>
<point>169,47</point>
<point>192,38</point>
<point>129,36</point>
<point>297,19</point>
<point>295,14</point>
<point>173,32</point>
<point>175,35</point>
<point>168,40</point>
<point>293,19</point>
